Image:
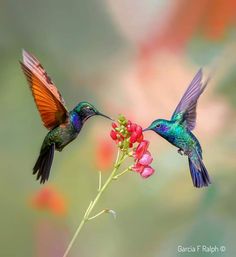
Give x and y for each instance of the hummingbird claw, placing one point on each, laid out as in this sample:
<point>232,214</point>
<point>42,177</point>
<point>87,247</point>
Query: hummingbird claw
<point>180,151</point>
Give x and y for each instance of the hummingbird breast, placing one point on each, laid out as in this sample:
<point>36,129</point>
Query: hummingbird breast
<point>181,138</point>
<point>65,133</point>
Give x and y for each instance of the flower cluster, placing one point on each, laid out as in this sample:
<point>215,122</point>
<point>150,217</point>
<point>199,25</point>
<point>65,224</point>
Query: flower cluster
<point>127,134</point>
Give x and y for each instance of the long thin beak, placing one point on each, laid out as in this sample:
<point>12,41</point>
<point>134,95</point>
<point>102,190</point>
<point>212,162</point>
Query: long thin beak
<point>105,116</point>
<point>146,129</point>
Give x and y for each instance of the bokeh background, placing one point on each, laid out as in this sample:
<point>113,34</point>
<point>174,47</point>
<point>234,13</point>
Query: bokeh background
<point>131,57</point>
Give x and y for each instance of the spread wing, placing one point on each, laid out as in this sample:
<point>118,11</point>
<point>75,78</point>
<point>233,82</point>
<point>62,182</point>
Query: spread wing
<point>185,111</point>
<point>48,99</point>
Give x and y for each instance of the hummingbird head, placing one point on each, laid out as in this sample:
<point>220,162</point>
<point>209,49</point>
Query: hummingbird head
<point>159,126</point>
<point>86,110</point>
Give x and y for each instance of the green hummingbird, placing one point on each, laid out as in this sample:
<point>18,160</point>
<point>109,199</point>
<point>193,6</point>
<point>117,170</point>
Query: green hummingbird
<point>64,126</point>
<point>177,131</point>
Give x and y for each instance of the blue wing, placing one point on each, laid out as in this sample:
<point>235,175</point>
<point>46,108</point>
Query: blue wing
<point>185,111</point>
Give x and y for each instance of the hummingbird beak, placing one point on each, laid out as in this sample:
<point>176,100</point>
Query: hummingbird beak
<point>105,116</point>
<point>146,129</point>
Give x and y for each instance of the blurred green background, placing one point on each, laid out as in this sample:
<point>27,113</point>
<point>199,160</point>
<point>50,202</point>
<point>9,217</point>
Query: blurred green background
<point>130,57</point>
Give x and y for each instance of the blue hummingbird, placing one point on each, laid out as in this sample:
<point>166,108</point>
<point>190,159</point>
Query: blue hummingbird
<point>177,131</point>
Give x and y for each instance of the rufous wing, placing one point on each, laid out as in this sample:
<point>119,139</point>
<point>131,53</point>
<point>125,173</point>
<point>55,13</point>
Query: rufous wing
<point>49,102</point>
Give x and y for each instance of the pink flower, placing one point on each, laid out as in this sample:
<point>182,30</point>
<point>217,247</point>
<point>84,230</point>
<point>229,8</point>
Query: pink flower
<point>146,159</point>
<point>141,149</point>
<point>143,159</point>
<point>147,172</point>
<point>138,167</point>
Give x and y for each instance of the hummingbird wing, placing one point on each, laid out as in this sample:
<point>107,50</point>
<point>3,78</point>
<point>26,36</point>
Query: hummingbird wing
<point>48,99</point>
<point>185,111</point>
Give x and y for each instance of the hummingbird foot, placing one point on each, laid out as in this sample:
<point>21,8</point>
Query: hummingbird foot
<point>180,151</point>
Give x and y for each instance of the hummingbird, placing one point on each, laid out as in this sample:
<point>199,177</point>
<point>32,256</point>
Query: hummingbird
<point>63,125</point>
<point>177,130</point>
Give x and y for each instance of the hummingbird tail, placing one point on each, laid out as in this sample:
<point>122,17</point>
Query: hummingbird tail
<point>43,164</point>
<point>200,176</point>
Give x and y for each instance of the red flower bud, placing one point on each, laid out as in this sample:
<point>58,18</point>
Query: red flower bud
<point>133,127</point>
<point>114,125</point>
<point>113,135</point>
<point>129,128</point>
<point>139,131</point>
<point>133,137</point>
<point>140,139</point>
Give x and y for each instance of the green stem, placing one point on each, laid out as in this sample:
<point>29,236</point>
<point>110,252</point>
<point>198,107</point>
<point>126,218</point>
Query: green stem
<point>99,181</point>
<point>98,214</point>
<point>92,204</point>
<point>122,173</point>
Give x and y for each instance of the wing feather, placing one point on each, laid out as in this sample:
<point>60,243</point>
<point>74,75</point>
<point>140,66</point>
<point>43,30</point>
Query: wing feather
<point>48,99</point>
<point>185,111</point>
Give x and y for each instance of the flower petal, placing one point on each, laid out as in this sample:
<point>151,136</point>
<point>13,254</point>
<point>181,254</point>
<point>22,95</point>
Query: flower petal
<point>147,172</point>
<point>146,159</point>
<point>140,139</point>
<point>138,168</point>
<point>141,149</point>
<point>139,130</point>
<point>133,137</point>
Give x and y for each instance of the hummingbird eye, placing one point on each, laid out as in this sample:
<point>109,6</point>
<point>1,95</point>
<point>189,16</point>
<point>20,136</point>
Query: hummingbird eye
<point>158,125</point>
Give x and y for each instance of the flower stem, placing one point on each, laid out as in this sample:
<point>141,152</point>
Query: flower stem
<point>119,159</point>
<point>99,181</point>
<point>98,214</point>
<point>122,173</point>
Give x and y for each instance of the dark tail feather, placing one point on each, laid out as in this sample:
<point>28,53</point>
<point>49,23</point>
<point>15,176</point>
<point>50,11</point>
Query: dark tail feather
<point>200,177</point>
<point>43,164</point>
